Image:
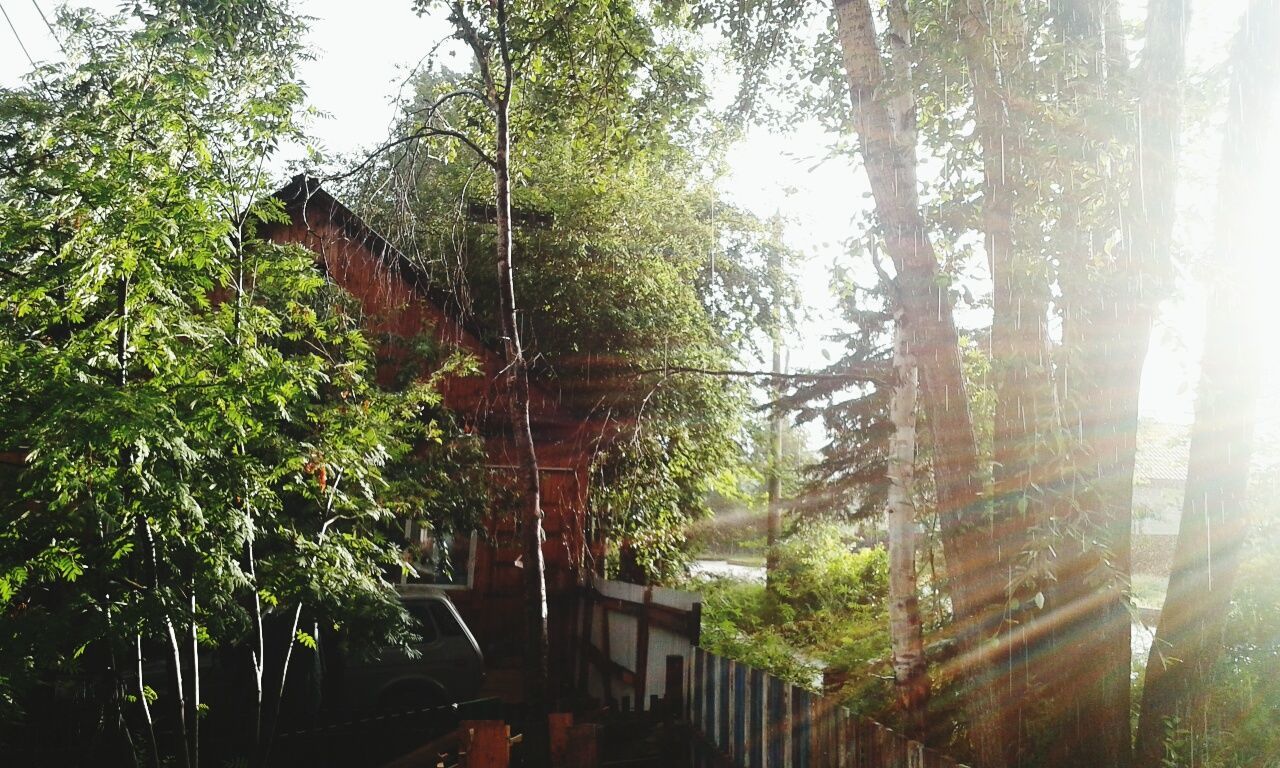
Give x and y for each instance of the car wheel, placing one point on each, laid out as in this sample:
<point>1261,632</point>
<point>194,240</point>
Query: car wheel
<point>412,696</point>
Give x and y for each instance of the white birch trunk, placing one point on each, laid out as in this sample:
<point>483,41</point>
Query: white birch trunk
<point>911,675</point>
<point>887,143</point>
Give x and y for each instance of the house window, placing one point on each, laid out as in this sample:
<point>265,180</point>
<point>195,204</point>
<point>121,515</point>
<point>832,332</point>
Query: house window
<point>447,561</point>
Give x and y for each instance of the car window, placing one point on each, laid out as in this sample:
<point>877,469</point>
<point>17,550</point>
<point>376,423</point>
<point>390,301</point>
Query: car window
<point>422,623</point>
<point>444,619</point>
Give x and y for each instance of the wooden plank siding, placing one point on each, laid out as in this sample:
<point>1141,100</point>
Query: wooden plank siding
<point>399,303</point>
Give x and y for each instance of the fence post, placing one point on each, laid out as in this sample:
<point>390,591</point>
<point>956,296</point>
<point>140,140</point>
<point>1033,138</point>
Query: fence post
<point>844,739</point>
<point>787,726</point>
<point>802,704</point>
<point>741,704</point>
<point>820,732</point>
<point>725,683</point>
<point>695,692</point>
<point>674,684</point>
<point>755,720</point>
<point>558,725</point>
<point>486,743</point>
<point>642,650</point>
<point>583,748</point>
<point>710,727</point>
<point>769,738</point>
<point>731,712</point>
<point>885,746</point>
<point>915,755</point>
<point>899,747</point>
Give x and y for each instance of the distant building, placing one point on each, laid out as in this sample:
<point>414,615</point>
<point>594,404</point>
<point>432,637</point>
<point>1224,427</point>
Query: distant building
<point>1159,479</point>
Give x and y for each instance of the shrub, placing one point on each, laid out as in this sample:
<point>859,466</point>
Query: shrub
<point>827,612</point>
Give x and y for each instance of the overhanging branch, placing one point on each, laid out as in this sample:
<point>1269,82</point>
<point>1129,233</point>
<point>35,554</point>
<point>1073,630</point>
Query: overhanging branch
<point>854,374</point>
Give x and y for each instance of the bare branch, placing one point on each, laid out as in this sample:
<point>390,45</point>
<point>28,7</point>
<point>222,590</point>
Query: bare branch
<point>434,106</point>
<point>504,54</point>
<point>468,33</point>
<point>855,373</point>
<point>426,131</point>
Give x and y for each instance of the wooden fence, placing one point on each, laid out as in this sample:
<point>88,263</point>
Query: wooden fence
<point>746,718</point>
<point>629,639</point>
<point>639,650</point>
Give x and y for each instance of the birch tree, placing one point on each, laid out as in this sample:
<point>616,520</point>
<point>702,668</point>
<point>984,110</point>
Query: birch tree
<point>886,130</point>
<point>906,633</point>
<point>559,58</point>
<point>486,31</point>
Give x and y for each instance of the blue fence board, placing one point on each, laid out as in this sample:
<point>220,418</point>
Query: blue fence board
<point>755,720</point>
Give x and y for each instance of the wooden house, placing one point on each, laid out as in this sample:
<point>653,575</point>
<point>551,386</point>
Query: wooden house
<point>399,301</point>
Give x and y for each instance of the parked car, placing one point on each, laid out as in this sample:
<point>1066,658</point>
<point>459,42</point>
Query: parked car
<point>448,667</point>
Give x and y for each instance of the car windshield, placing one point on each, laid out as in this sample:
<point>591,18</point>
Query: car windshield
<point>448,625</point>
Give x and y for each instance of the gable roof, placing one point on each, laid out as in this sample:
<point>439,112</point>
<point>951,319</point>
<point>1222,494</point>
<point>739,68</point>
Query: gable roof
<point>308,203</point>
<point>304,197</point>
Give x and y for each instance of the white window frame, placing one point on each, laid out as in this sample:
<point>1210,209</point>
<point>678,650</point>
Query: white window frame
<point>471,566</point>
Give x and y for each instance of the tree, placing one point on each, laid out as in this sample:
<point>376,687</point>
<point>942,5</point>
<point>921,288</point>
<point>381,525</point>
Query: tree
<point>1215,511</point>
<point>205,454</point>
<point>887,134</point>
<point>906,631</point>
<point>498,51</point>
<point>578,78</point>
<point>1048,87</point>
<point>637,276</point>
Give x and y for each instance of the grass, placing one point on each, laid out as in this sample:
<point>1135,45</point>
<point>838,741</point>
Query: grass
<point>734,558</point>
<point>1149,589</point>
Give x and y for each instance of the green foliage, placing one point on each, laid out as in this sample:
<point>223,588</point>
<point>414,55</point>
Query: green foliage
<point>633,266</point>
<point>739,502</point>
<point>203,441</point>
<point>1237,725</point>
<point>848,480</point>
<point>828,611</point>
<point>735,625</point>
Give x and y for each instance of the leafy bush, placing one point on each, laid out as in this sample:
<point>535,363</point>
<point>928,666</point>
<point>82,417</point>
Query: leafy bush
<point>1240,723</point>
<point>827,612</point>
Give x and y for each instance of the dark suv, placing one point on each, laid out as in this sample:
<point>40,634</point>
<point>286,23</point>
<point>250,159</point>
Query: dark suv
<point>449,666</point>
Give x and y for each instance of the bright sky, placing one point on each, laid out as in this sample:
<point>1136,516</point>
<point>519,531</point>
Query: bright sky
<point>364,49</point>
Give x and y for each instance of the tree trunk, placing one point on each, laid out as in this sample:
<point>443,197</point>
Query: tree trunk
<point>773,522</point>
<point>887,136</point>
<point>146,706</point>
<point>194,709</point>
<point>1026,416</point>
<point>1214,515</point>
<point>1114,331</point>
<point>535,599</point>
<point>174,660</point>
<point>910,672</point>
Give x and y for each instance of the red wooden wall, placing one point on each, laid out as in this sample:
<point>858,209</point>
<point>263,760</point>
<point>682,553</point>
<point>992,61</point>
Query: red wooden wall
<point>396,302</point>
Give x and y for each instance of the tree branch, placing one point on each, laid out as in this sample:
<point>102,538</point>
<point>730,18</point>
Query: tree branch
<point>422,133</point>
<point>471,36</point>
<point>858,373</point>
